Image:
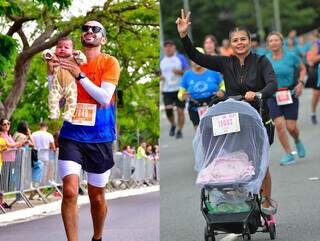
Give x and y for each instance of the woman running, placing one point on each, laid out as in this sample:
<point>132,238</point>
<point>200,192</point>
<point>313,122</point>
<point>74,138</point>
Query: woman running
<point>284,104</point>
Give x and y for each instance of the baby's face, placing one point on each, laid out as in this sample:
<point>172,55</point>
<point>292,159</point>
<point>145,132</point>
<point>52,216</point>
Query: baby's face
<point>64,49</point>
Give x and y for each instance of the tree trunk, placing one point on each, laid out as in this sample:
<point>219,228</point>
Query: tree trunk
<point>19,84</point>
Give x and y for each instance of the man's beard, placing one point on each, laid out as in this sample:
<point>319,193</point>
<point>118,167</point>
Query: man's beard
<point>90,45</point>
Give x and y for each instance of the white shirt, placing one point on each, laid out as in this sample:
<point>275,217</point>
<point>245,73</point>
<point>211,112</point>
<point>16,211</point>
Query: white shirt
<point>172,81</point>
<point>42,139</point>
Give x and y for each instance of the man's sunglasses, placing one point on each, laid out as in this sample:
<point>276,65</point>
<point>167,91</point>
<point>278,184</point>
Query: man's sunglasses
<point>95,29</point>
<point>6,124</point>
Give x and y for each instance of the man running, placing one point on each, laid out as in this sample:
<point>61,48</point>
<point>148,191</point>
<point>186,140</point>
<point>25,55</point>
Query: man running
<point>86,143</point>
<point>172,67</point>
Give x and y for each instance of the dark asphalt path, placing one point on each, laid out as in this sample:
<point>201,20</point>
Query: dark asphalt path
<point>298,198</point>
<point>134,218</point>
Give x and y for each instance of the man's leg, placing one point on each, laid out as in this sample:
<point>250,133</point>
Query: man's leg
<point>180,109</point>
<point>98,206</point>
<point>180,117</point>
<point>69,209</point>
<point>170,114</point>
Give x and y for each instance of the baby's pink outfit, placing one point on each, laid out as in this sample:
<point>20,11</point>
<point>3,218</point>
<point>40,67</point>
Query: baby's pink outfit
<point>230,168</point>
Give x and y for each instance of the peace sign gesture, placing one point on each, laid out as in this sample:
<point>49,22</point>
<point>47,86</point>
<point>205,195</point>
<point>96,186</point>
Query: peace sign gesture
<point>183,23</point>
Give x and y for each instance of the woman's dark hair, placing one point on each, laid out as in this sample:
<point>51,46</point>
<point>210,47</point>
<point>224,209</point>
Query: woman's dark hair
<point>1,123</point>
<point>23,127</point>
<point>214,40</point>
<point>239,30</point>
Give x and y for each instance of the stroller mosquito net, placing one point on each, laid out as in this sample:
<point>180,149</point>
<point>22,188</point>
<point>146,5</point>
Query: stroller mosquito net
<point>235,160</point>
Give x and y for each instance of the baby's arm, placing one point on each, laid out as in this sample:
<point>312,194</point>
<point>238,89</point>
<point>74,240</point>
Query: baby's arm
<point>49,55</point>
<point>79,57</point>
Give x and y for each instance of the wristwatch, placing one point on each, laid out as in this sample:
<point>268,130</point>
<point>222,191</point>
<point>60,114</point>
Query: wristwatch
<point>81,76</point>
<point>259,95</point>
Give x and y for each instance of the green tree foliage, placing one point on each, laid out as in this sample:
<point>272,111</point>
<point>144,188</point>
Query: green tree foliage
<point>132,31</point>
<point>220,16</point>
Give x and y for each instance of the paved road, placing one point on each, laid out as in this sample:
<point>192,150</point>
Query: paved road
<point>133,218</point>
<point>298,198</point>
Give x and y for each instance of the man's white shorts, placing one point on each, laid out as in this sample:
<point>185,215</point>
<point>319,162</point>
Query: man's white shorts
<point>70,167</point>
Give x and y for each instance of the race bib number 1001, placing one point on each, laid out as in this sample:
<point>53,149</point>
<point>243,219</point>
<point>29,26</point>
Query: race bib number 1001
<point>224,124</point>
<point>85,114</point>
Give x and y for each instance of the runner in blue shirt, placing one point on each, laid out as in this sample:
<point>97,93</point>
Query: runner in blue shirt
<point>199,85</point>
<point>284,105</point>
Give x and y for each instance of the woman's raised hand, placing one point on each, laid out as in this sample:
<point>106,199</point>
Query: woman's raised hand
<point>183,23</point>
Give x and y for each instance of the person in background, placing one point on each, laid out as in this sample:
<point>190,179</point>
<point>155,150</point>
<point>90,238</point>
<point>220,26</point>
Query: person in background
<point>290,47</point>
<point>23,134</point>
<point>285,114</point>
<point>172,67</point>
<point>210,45</point>
<point>141,152</point>
<point>10,141</point>
<point>42,138</point>
<point>313,60</point>
<point>3,147</point>
<point>303,47</point>
<point>149,152</point>
<point>200,85</point>
<point>225,49</point>
<point>292,35</point>
<point>156,152</point>
<point>127,150</point>
<point>255,45</point>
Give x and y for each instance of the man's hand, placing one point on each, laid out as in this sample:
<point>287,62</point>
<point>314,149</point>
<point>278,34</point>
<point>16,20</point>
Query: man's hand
<point>183,24</point>
<point>177,71</point>
<point>71,66</point>
<point>162,77</point>
<point>51,65</point>
<point>250,95</point>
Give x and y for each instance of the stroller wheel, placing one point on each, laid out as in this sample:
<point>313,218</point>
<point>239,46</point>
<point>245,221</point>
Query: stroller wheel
<point>209,238</point>
<point>272,231</point>
<point>209,234</point>
<point>246,236</point>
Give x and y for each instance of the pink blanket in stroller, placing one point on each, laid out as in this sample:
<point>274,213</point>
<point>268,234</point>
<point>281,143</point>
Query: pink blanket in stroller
<point>230,168</point>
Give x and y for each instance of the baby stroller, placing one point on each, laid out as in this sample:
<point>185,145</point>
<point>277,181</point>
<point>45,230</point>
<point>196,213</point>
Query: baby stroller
<point>232,155</point>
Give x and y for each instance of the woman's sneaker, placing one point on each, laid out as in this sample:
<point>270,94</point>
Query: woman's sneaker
<point>314,119</point>
<point>300,149</point>
<point>287,159</point>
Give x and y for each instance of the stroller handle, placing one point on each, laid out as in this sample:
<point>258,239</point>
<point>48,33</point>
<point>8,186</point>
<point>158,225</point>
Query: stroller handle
<point>258,98</point>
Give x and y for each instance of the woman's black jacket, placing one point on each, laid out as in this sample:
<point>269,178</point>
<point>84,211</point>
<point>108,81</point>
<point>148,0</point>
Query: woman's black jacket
<point>255,75</point>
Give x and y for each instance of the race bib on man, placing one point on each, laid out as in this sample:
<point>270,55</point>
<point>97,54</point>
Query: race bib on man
<point>283,97</point>
<point>201,111</point>
<point>224,124</point>
<point>85,114</point>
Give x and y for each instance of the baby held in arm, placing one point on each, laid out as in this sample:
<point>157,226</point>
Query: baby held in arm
<point>62,85</point>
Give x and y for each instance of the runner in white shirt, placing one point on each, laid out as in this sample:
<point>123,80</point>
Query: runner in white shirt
<point>172,67</point>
